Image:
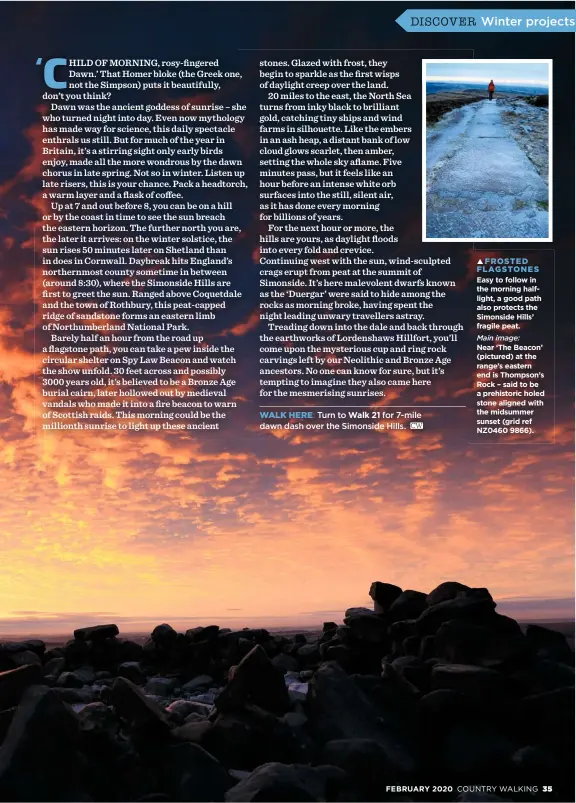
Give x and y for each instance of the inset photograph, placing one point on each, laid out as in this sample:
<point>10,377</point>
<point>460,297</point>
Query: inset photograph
<point>487,150</point>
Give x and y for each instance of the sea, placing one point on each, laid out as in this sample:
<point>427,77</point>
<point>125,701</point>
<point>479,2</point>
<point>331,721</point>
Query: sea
<point>432,87</point>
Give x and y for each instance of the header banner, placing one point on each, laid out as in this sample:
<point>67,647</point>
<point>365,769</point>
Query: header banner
<point>492,20</point>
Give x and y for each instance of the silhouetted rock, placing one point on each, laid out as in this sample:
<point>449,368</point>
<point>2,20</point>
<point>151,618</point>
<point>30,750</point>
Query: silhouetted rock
<point>132,670</point>
<point>309,654</point>
<point>39,759</point>
<point>257,681</point>
<point>26,657</point>
<point>327,626</point>
<point>357,611</point>
<point>349,714</point>
<point>71,680</point>
<point>407,605</point>
<point>96,633</point>
<point>367,626</point>
<point>71,695</point>
<point>444,707</point>
<point>472,747</point>
<point>541,675</point>
<point>246,738</point>
<point>139,711</point>
<point>190,773</point>
<point>475,681</point>
<point>438,686</point>
<point>444,592</point>
<point>489,643</point>
<point>473,603</point>
<point>55,666</point>
<point>364,761</point>
<point>127,650</point>
<point>161,687</point>
<point>14,682</point>
<point>164,635</point>
<point>383,595</point>
<point>550,644</point>
<point>287,663</point>
<point>199,682</point>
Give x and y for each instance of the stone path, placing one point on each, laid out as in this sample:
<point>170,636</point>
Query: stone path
<point>481,184</point>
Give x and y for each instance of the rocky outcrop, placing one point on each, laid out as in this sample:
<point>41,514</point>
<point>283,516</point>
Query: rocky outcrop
<point>434,685</point>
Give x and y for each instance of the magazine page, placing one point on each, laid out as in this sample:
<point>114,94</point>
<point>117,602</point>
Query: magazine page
<point>286,401</point>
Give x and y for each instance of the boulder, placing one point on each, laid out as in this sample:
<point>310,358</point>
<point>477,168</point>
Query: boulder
<point>132,670</point>
<point>87,674</point>
<point>367,627</point>
<point>161,687</point>
<point>490,644</point>
<point>71,695</point>
<point>471,680</point>
<point>407,605</point>
<point>6,718</point>
<point>164,636</point>
<point>193,731</point>
<point>550,644</point>
<point>548,717</point>
<point>228,644</point>
<point>396,678</point>
<point>349,714</point>
<point>36,645</point>
<point>411,645</point>
<point>26,657</point>
<point>28,645</point>
<point>55,666</point>
<point>197,683</point>
<point>76,652</point>
<point>39,759</point>
<point>98,718</point>
<point>190,773</point>
<point>287,663</point>
<point>427,647</point>
<point>398,631</point>
<point>309,653</point>
<point>70,680</point>
<point>444,592</point>
<point>442,708</point>
<point>358,611</point>
<point>14,682</point>
<point>138,710</point>
<point>245,738</point>
<point>383,595</point>
<point>186,707</point>
<point>257,681</point>
<point>127,650</point>
<point>203,633</point>
<point>474,747</point>
<point>474,603</point>
<point>96,633</point>
<point>541,675</point>
<point>199,708</point>
<point>363,760</point>
<point>290,782</point>
<point>328,626</point>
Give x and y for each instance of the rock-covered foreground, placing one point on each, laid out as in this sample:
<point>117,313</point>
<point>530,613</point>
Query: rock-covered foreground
<point>424,689</point>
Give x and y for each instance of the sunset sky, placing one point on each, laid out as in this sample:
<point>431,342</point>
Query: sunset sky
<point>250,526</point>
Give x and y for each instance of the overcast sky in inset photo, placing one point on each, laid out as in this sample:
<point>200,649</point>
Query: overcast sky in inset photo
<point>478,72</point>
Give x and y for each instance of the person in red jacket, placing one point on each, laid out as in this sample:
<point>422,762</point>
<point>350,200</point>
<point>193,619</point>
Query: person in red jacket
<point>491,89</point>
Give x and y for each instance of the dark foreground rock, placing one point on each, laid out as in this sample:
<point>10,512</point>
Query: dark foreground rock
<point>433,687</point>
